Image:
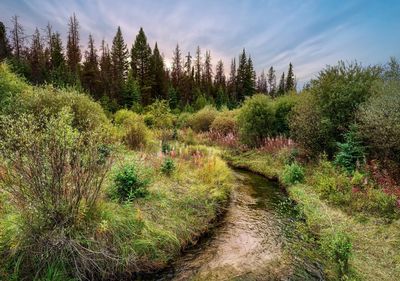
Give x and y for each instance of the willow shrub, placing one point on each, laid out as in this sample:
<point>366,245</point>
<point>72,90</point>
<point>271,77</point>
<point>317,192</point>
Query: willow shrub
<point>201,121</point>
<point>53,174</point>
<point>133,130</point>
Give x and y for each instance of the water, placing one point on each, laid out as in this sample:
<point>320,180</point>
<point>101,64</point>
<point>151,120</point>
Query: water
<point>248,244</point>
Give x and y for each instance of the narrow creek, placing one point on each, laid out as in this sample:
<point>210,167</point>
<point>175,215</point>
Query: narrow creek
<point>249,243</point>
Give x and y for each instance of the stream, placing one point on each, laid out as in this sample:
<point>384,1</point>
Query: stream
<point>248,243</point>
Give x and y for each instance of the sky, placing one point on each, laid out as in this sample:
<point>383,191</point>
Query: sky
<point>310,34</point>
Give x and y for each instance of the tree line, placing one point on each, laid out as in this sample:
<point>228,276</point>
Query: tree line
<point>122,77</point>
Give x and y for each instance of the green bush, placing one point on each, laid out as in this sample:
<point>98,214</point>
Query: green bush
<point>338,247</point>
<point>379,122</point>
<point>293,174</point>
<point>201,121</point>
<point>225,123</point>
<point>350,153</point>
<point>129,183</point>
<point>183,120</point>
<point>133,131</point>
<point>10,85</point>
<point>335,96</point>
<point>168,166</point>
<point>283,108</point>
<point>256,120</point>
<point>158,115</point>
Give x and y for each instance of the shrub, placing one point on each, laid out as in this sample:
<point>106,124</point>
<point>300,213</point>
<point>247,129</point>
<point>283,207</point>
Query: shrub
<point>283,108</point>
<point>338,246</point>
<point>183,120</point>
<point>350,153</point>
<point>293,174</point>
<point>159,115</point>
<point>225,123</point>
<point>168,166</point>
<point>256,120</point>
<point>336,94</point>
<point>201,121</point>
<point>133,130</point>
<point>129,184</point>
<point>10,86</point>
<point>379,122</point>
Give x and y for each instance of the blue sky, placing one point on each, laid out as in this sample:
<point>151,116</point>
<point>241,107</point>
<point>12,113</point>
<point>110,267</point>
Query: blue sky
<point>310,34</point>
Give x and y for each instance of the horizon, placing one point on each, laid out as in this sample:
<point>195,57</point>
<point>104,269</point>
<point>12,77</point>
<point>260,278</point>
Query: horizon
<point>321,33</point>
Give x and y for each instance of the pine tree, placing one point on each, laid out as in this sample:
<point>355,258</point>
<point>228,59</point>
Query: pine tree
<point>271,82</point>
<point>177,69</point>
<point>290,80</point>
<point>188,81</point>
<point>36,59</point>
<point>242,72</point>
<point>57,65</point>
<point>132,97</point>
<point>282,85</point>
<point>232,84</point>
<point>262,86</point>
<point>17,38</point>
<point>159,81</point>
<point>119,62</point>
<point>141,66</point>
<point>250,82</point>
<point>90,71</point>
<point>198,67</point>
<point>220,79</point>
<point>207,75</point>
<point>73,49</point>
<point>105,71</point>
<point>5,49</point>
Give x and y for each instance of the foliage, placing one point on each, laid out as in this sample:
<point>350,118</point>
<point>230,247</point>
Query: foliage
<point>168,166</point>
<point>10,85</point>
<point>292,174</point>
<point>159,115</point>
<point>202,119</point>
<point>336,95</point>
<point>129,183</point>
<point>379,121</point>
<point>338,246</point>
<point>350,153</point>
<point>133,130</point>
<point>283,108</point>
<point>256,120</point>
<point>225,123</point>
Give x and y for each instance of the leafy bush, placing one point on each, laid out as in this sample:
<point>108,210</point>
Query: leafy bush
<point>133,130</point>
<point>350,153</point>
<point>183,120</point>
<point>256,120</point>
<point>224,123</point>
<point>129,183</point>
<point>158,115</point>
<point>379,122</point>
<point>336,94</point>
<point>168,166</point>
<point>283,108</point>
<point>293,174</point>
<point>338,247</point>
<point>201,121</point>
<point>10,86</point>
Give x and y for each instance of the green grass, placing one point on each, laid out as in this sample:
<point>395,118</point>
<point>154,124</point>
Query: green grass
<point>375,240</point>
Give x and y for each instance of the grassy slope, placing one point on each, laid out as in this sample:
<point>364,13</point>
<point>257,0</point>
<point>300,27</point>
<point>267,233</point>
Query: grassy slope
<point>376,244</point>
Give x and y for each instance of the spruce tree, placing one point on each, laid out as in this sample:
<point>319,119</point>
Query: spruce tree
<point>36,59</point>
<point>290,80</point>
<point>132,94</point>
<point>282,85</point>
<point>73,49</point>
<point>106,72</point>
<point>232,84</point>
<point>5,49</point>
<point>198,67</point>
<point>119,62</point>
<point>207,75</point>
<point>242,75</point>
<point>17,38</point>
<point>177,69</point>
<point>262,86</point>
<point>141,66</point>
<point>250,81</point>
<point>271,82</point>
<point>220,80</point>
<point>90,71</point>
<point>159,78</point>
<point>57,65</point>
